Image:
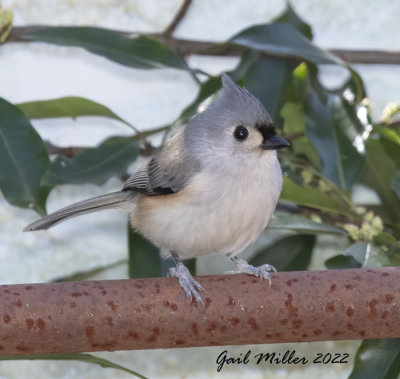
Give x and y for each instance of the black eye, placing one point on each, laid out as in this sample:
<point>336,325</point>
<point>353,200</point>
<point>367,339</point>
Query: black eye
<point>241,133</point>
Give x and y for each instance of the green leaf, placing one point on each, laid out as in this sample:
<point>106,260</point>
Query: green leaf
<point>291,253</point>
<point>333,127</point>
<point>396,184</point>
<point>390,140</point>
<point>358,251</point>
<point>283,40</point>
<point>332,132</point>
<point>294,118</point>
<point>378,174</point>
<point>311,197</point>
<point>290,16</point>
<point>82,357</point>
<point>377,359</point>
<point>341,262</point>
<point>386,239</point>
<point>127,49</point>
<point>23,160</point>
<point>144,257</point>
<point>70,106</point>
<point>350,144</point>
<point>294,122</point>
<point>356,85</point>
<point>94,165</point>
<point>303,225</point>
<point>321,132</point>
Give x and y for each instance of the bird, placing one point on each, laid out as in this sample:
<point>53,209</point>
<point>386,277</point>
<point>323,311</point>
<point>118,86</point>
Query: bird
<point>211,189</point>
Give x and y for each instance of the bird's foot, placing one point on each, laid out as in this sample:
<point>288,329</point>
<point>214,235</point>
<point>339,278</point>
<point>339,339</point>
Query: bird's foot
<point>187,282</point>
<point>242,267</point>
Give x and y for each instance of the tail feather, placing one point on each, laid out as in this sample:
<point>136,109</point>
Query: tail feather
<point>108,201</point>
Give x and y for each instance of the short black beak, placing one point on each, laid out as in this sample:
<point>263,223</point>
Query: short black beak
<point>274,143</point>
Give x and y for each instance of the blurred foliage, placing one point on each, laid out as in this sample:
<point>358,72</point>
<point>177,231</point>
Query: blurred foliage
<point>335,146</point>
<point>81,357</point>
<point>6,19</point>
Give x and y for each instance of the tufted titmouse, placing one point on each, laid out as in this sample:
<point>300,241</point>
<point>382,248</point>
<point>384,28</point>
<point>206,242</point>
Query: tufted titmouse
<point>211,189</point>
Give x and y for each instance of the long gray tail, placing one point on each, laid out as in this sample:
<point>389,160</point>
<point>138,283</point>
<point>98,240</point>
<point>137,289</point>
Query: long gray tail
<point>108,201</point>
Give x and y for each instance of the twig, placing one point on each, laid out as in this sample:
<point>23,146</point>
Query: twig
<point>293,136</point>
<point>69,151</point>
<point>177,19</point>
<point>189,47</point>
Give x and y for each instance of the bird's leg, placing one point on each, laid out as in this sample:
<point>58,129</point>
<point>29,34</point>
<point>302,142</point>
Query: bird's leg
<point>186,280</point>
<point>242,267</point>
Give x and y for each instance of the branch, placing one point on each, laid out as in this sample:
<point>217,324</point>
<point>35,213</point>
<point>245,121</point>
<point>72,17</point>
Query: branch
<point>188,47</point>
<point>178,18</point>
<point>240,309</point>
<point>146,150</point>
<point>69,151</point>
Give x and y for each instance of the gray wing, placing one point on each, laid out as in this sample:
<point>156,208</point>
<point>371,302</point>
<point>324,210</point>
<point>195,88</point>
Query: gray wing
<point>167,172</point>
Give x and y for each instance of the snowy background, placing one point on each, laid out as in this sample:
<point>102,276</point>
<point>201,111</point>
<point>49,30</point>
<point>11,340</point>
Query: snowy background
<point>148,99</point>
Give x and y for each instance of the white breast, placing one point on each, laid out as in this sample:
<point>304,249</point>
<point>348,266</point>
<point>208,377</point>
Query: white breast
<point>216,213</point>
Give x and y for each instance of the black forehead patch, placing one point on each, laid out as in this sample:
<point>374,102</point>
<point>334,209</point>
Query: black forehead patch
<point>266,129</point>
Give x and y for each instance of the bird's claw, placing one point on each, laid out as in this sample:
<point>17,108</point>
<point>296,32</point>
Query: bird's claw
<point>187,282</point>
<point>242,267</point>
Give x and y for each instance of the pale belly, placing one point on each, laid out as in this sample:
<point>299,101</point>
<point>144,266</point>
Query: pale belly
<point>201,220</point>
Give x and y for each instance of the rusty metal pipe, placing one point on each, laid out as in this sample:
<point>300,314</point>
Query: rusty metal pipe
<point>239,309</point>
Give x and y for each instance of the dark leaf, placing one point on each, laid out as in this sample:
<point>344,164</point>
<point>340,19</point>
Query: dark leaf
<point>321,132</point>
<point>396,184</point>
<point>378,175</point>
<point>71,106</point>
<point>144,257</point>
<point>127,49</point>
<point>283,40</point>
<point>191,265</point>
<point>94,165</point>
<point>290,16</point>
<point>82,357</point>
<point>23,160</point>
<point>332,125</point>
<point>332,132</point>
<point>377,359</point>
<point>341,262</point>
<point>291,253</point>
<point>386,239</point>
<point>303,225</point>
